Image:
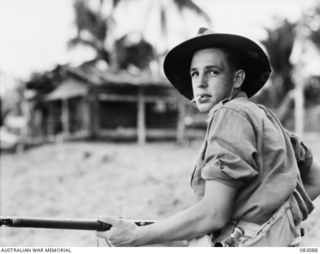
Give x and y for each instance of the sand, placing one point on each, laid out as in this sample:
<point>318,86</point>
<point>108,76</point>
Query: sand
<point>85,180</point>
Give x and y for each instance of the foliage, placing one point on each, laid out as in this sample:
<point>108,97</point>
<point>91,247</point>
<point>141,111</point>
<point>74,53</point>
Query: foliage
<point>181,6</point>
<point>279,44</point>
<point>12,102</point>
<point>312,91</point>
<point>45,82</point>
<point>311,20</point>
<point>94,28</point>
<point>139,54</point>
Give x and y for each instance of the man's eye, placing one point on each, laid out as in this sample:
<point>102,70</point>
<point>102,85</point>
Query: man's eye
<point>212,73</point>
<point>194,74</point>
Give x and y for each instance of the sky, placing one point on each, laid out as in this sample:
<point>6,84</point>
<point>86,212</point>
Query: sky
<point>34,33</point>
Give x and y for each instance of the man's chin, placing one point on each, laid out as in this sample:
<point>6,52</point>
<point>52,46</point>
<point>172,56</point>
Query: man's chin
<point>204,108</point>
<point>207,106</point>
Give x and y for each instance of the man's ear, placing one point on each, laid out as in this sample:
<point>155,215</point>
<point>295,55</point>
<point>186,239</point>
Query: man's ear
<point>239,77</point>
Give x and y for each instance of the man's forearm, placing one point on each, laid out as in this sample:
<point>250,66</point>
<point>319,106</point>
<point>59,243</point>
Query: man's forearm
<point>188,224</point>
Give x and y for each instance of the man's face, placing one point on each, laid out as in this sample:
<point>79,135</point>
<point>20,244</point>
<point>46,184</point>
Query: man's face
<point>211,76</point>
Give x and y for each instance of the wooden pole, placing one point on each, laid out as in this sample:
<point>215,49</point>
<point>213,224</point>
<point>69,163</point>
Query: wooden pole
<point>85,114</point>
<point>94,127</point>
<point>299,77</point>
<point>141,124</point>
<point>180,121</point>
<point>65,119</point>
<point>50,121</point>
<point>299,108</point>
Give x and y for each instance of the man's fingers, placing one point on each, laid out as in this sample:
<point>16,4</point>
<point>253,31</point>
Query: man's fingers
<point>107,219</point>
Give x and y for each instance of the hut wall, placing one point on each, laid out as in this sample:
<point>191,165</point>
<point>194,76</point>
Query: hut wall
<point>114,114</point>
<point>161,115</point>
<point>118,107</point>
<point>47,118</point>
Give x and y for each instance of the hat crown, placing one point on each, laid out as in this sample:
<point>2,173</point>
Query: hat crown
<point>204,30</point>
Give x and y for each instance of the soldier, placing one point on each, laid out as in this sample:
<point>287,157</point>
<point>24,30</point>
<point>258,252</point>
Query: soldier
<point>254,180</point>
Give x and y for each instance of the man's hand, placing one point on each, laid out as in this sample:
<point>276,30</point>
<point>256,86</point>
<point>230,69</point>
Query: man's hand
<point>122,232</point>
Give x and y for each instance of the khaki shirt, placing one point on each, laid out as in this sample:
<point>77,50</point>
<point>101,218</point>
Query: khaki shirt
<point>247,149</point>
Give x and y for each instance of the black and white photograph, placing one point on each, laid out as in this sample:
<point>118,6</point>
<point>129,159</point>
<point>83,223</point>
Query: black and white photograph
<point>159,123</point>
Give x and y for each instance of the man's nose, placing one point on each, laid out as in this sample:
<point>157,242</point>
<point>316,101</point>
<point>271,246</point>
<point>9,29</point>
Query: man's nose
<point>203,82</point>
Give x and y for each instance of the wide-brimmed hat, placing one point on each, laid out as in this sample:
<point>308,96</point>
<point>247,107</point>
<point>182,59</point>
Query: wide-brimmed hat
<point>255,61</point>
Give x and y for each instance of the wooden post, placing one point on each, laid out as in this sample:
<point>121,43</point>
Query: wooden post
<point>94,114</point>
<point>299,75</point>
<point>180,121</point>
<point>85,114</point>
<point>299,108</point>
<point>50,121</point>
<point>141,124</point>
<point>65,119</point>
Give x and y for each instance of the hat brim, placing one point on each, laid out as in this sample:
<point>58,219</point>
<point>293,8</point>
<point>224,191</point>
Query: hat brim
<point>256,62</point>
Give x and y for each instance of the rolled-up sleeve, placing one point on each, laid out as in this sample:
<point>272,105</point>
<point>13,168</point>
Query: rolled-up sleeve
<point>231,150</point>
<point>302,153</point>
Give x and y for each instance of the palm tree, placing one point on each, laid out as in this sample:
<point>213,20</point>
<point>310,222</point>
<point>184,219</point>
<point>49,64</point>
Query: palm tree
<point>92,28</point>
<point>278,94</point>
<point>138,54</point>
<point>279,44</point>
<point>95,27</point>
<point>179,7</point>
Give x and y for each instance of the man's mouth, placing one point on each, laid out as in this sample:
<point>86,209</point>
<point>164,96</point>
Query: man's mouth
<point>201,98</point>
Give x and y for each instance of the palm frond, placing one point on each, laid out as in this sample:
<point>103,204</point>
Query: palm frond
<point>138,54</point>
<point>279,44</point>
<point>72,43</point>
<point>115,3</point>
<point>163,21</point>
<point>192,6</point>
<point>89,20</point>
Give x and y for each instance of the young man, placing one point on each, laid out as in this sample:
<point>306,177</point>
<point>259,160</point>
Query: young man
<point>254,181</point>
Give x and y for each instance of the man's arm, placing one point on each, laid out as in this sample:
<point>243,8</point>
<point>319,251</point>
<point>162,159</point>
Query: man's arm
<point>206,216</point>
<point>210,214</point>
<point>311,181</point>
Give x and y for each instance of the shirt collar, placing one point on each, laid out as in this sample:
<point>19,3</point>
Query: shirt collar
<point>240,94</point>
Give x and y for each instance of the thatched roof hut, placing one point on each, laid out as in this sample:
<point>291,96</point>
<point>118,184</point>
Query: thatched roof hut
<point>89,103</point>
